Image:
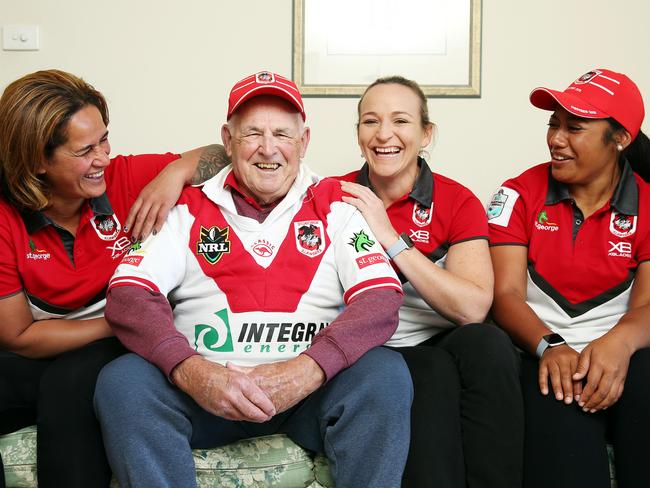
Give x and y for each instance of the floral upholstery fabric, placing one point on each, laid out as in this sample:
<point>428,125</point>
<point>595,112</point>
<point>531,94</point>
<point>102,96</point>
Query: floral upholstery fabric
<point>270,461</point>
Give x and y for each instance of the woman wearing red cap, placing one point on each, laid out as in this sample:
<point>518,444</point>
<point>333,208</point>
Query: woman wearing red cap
<point>570,245</point>
<point>467,417</point>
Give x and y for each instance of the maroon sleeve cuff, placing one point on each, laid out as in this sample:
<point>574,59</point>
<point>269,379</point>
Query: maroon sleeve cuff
<point>170,354</point>
<point>143,321</point>
<point>329,356</point>
<point>368,321</point>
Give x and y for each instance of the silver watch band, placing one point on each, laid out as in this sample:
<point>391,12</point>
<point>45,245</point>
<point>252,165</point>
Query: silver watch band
<point>397,248</point>
<point>541,347</point>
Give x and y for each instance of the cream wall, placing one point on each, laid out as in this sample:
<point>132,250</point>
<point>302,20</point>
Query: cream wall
<point>166,68</point>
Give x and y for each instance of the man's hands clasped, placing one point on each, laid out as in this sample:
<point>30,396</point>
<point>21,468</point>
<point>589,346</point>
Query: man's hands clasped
<point>253,394</point>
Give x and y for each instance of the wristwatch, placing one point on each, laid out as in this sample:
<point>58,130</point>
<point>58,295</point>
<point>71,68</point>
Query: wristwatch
<point>403,243</point>
<point>549,340</point>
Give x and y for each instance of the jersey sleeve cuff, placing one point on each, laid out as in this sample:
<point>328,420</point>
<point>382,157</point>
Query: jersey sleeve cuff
<point>169,354</point>
<point>328,356</point>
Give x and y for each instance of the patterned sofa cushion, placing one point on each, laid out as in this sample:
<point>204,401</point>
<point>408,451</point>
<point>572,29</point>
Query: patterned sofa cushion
<point>270,461</point>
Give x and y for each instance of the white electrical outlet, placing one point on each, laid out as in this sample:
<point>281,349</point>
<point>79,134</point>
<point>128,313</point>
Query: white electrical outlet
<point>20,38</point>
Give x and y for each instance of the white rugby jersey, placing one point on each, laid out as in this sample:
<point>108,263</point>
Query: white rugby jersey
<point>252,292</point>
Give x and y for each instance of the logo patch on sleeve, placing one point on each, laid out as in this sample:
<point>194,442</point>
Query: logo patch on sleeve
<point>501,205</point>
<point>132,260</point>
<point>213,243</point>
<point>309,237</point>
<point>361,242</point>
<point>370,259</point>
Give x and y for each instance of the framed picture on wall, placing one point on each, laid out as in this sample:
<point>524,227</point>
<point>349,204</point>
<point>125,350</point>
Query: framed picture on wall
<point>341,46</point>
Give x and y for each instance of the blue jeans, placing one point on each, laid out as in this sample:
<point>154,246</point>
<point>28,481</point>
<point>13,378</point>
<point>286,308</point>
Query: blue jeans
<point>359,420</point>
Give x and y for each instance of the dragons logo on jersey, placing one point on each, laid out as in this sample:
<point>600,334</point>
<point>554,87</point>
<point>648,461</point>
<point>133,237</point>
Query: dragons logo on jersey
<point>107,227</point>
<point>421,215</point>
<point>309,237</point>
<point>622,225</point>
<point>215,337</point>
<point>213,243</point>
<point>497,204</point>
<point>361,242</point>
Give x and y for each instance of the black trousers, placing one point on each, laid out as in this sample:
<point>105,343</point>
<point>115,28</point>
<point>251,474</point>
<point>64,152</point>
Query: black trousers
<point>467,414</point>
<point>57,395</point>
<point>565,447</point>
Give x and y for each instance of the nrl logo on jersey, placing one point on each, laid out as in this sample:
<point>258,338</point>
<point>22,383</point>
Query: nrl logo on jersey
<point>213,243</point>
<point>422,214</point>
<point>107,227</point>
<point>309,237</point>
<point>622,225</point>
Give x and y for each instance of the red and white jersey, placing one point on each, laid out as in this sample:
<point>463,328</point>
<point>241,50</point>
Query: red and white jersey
<point>65,276</point>
<point>436,214</point>
<point>580,271</point>
<point>253,292</point>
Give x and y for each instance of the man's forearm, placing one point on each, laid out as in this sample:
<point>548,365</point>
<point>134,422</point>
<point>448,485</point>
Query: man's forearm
<point>367,322</point>
<point>143,322</point>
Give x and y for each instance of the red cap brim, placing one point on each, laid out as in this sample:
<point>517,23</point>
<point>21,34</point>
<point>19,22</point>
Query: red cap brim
<point>547,99</point>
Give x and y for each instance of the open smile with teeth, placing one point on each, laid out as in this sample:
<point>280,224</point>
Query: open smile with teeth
<point>387,150</point>
<point>271,166</point>
<point>95,176</point>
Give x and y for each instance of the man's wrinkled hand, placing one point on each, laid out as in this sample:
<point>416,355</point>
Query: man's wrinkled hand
<point>223,392</point>
<point>286,382</point>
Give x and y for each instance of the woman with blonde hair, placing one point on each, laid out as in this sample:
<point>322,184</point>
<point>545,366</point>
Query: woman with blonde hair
<point>466,420</point>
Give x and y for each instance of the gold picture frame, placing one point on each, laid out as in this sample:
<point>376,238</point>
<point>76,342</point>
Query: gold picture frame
<point>445,59</point>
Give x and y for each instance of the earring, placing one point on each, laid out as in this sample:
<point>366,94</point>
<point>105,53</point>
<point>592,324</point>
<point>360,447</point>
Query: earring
<point>619,147</point>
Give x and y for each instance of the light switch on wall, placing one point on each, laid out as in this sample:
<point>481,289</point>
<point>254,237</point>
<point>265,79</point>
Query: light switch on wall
<point>20,38</point>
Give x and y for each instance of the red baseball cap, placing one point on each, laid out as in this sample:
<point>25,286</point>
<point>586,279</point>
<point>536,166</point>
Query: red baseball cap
<point>264,83</point>
<point>598,94</point>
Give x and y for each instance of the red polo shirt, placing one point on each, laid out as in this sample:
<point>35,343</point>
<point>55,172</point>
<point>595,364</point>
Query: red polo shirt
<point>64,275</point>
<point>436,214</point>
<point>580,271</point>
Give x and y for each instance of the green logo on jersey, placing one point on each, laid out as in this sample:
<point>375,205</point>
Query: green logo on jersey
<point>215,336</point>
<point>361,242</point>
<point>542,218</point>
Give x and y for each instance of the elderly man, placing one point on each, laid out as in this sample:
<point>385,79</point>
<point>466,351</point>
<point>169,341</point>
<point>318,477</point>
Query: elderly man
<point>257,265</point>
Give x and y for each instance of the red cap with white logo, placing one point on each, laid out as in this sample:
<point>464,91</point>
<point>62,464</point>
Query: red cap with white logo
<point>598,94</point>
<point>264,83</point>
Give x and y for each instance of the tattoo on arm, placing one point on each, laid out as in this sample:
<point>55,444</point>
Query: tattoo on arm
<point>212,160</point>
